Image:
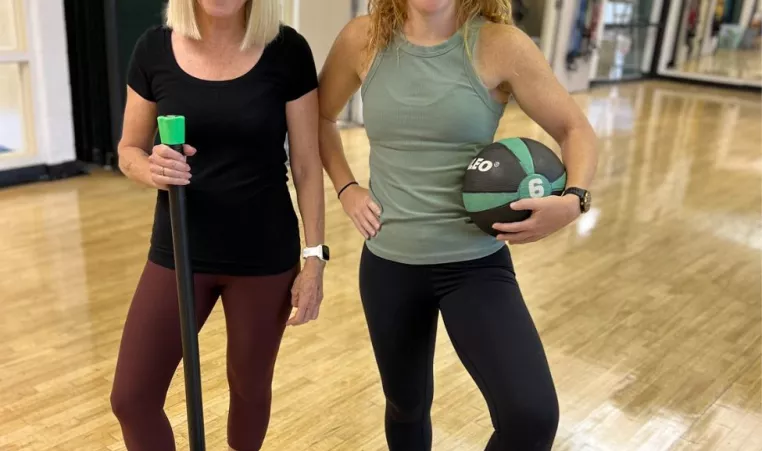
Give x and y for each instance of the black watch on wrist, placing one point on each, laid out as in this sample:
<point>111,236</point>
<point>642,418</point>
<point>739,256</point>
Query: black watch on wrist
<point>584,197</point>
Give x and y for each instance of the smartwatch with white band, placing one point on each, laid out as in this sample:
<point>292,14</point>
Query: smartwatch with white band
<point>320,251</point>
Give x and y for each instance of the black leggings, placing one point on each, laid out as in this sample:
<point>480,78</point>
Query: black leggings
<point>491,330</point>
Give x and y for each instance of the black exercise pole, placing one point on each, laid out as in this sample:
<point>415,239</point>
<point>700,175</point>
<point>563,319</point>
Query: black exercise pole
<point>172,133</point>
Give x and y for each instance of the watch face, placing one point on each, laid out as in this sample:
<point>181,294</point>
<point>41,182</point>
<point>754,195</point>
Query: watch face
<point>326,253</point>
<point>586,201</point>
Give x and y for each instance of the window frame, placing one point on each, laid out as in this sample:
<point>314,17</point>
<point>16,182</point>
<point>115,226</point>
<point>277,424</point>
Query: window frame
<point>21,58</point>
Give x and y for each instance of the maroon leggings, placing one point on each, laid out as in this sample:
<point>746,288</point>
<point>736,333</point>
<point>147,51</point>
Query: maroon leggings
<point>256,311</point>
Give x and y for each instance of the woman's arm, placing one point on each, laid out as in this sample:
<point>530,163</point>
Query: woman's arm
<point>137,137</point>
<point>523,71</point>
<point>307,172</point>
<point>339,79</point>
<point>302,118</point>
<point>512,61</point>
<point>164,166</point>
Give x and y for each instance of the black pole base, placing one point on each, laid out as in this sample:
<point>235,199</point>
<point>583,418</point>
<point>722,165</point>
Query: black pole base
<point>188,325</point>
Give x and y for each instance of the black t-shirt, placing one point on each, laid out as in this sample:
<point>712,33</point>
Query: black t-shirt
<point>240,214</point>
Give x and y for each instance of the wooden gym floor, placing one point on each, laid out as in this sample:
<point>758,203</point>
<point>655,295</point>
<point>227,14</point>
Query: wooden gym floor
<point>649,305</point>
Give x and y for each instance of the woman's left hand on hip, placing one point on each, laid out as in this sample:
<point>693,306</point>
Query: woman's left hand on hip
<point>549,214</point>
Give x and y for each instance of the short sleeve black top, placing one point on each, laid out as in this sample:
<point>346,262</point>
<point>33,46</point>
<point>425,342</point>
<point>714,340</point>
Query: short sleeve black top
<point>240,214</point>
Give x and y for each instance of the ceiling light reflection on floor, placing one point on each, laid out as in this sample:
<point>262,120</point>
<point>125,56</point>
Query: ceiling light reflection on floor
<point>586,222</point>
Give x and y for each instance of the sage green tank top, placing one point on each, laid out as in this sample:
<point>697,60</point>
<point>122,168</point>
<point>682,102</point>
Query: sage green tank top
<point>427,114</point>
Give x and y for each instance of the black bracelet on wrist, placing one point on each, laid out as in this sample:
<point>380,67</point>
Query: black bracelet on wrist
<point>345,187</point>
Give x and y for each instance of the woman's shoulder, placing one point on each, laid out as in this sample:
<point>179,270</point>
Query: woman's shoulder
<point>357,31</point>
<point>151,44</point>
<point>504,43</point>
<point>506,53</point>
<point>359,25</point>
<point>500,33</point>
<point>288,33</point>
<point>289,45</point>
<point>289,38</point>
<point>154,35</point>
<point>353,39</point>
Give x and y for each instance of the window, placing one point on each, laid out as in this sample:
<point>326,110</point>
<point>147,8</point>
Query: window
<point>11,27</point>
<point>15,93</point>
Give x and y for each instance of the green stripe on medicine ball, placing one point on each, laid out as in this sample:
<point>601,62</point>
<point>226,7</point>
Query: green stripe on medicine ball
<point>534,186</point>
<point>546,162</point>
<point>485,201</point>
<point>559,184</point>
<point>521,151</point>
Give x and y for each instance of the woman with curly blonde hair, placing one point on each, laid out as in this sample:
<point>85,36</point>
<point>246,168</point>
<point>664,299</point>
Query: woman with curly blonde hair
<point>435,76</point>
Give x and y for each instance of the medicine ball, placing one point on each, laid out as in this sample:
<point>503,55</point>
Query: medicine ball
<point>506,171</point>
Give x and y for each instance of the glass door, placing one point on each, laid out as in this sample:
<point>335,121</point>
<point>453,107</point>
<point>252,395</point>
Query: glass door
<point>16,120</point>
<point>628,26</point>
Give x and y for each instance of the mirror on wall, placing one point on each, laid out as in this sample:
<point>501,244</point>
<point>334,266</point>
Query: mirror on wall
<point>714,40</point>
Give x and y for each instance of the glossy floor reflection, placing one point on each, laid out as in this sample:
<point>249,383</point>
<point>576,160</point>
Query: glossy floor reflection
<point>740,64</point>
<point>649,306</point>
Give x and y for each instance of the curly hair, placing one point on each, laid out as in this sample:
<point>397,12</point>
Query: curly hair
<point>388,16</point>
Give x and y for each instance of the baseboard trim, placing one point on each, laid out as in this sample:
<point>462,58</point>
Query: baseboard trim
<point>596,82</point>
<point>41,173</point>
<point>707,83</point>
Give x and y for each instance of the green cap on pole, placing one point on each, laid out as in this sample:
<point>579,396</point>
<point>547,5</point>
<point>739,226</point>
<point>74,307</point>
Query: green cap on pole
<point>172,130</point>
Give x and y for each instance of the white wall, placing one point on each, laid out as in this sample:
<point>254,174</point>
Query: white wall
<point>320,21</point>
<point>579,79</point>
<point>53,126</point>
<point>357,116</point>
<point>747,10</point>
<point>549,29</point>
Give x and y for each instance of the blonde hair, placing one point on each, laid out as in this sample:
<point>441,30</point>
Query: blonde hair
<point>262,20</point>
<point>388,17</point>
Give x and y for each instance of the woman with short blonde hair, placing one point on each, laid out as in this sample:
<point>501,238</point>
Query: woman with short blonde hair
<point>262,21</point>
<point>435,76</point>
<point>244,82</point>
